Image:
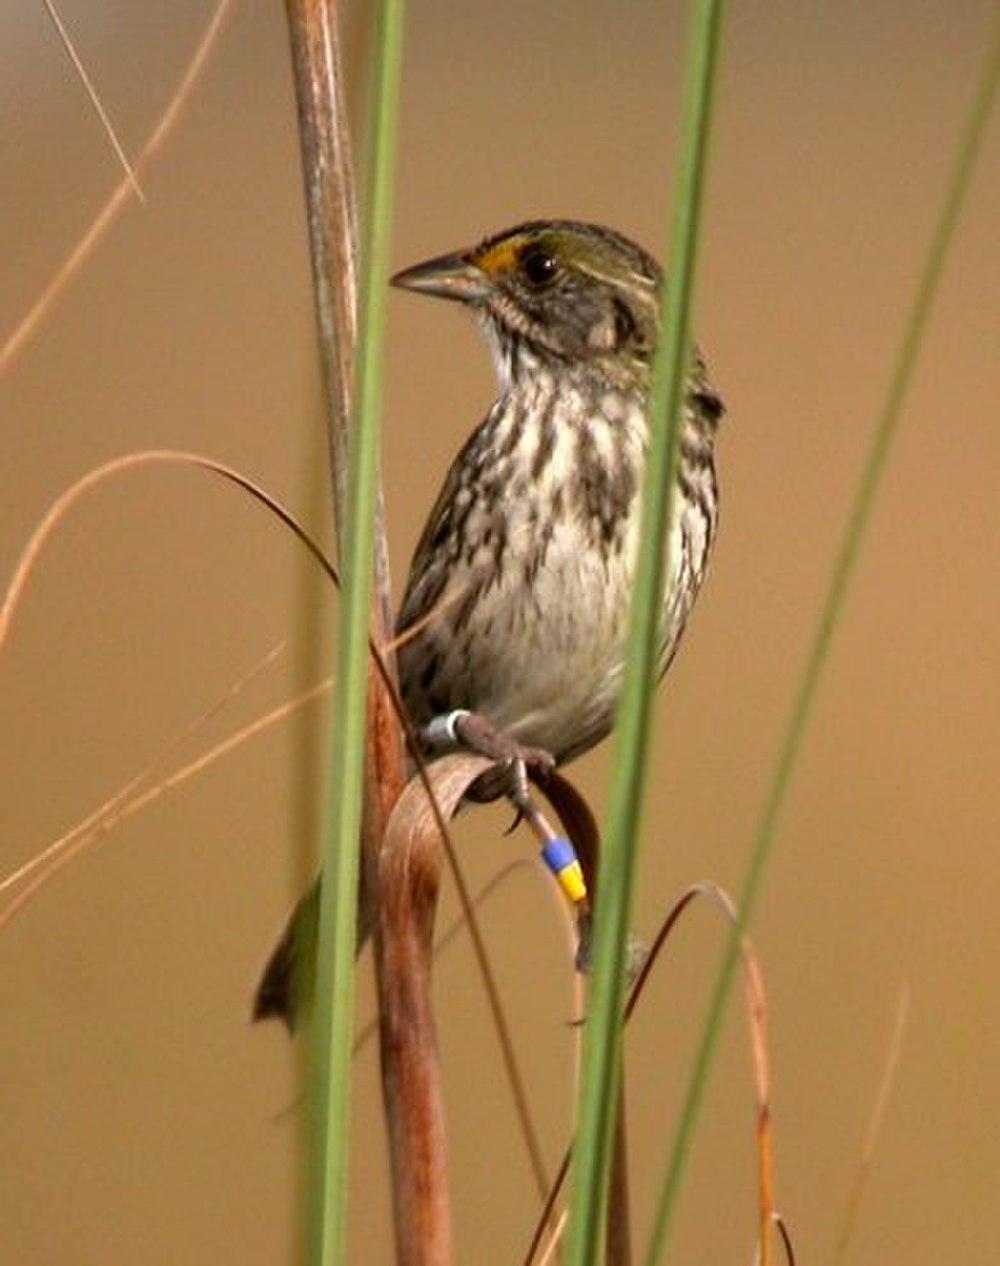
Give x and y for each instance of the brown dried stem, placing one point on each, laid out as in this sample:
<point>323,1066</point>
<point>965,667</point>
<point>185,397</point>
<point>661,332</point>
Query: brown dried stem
<point>328,173</point>
<point>411,1089</point>
<point>410,863</point>
<point>410,871</point>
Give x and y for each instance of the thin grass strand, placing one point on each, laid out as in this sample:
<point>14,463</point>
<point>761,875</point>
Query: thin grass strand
<point>756,1019</point>
<point>31,322</point>
<point>14,594</point>
<point>105,825</point>
<point>94,98</point>
<point>119,797</point>
<point>887,1081</point>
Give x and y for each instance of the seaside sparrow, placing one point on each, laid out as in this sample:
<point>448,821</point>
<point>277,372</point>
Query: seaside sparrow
<point>520,584</point>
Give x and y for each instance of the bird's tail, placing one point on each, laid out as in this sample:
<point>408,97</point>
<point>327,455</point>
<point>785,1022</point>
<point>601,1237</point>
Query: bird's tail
<point>286,987</point>
<point>288,984</point>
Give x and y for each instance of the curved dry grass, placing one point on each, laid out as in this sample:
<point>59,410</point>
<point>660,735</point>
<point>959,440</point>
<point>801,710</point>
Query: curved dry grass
<point>756,1008</point>
<point>14,595</point>
<point>29,324</point>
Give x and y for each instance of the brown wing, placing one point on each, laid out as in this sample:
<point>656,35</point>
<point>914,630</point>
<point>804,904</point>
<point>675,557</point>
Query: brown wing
<point>451,533</point>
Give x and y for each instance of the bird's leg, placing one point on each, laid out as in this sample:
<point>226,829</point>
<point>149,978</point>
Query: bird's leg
<point>476,733</point>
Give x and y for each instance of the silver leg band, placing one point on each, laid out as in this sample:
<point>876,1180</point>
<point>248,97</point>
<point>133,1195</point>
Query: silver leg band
<point>440,732</point>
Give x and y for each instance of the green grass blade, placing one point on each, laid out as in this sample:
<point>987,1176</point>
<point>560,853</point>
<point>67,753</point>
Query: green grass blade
<point>591,1150</point>
<point>334,1011</point>
<point>840,577</point>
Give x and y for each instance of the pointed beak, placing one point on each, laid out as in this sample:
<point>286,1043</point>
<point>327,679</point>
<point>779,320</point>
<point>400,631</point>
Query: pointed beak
<point>448,277</point>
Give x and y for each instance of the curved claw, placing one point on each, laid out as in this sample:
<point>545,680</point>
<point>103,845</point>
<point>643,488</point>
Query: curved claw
<point>516,821</point>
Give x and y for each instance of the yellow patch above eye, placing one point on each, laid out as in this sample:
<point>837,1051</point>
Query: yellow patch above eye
<point>501,258</point>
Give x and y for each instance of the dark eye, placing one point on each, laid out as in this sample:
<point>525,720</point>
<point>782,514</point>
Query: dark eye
<point>538,266</point>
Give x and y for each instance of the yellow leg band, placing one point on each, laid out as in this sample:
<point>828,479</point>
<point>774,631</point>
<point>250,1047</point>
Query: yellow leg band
<point>572,883</point>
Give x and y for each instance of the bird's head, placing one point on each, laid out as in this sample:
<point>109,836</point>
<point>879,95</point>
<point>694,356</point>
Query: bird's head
<point>554,291</point>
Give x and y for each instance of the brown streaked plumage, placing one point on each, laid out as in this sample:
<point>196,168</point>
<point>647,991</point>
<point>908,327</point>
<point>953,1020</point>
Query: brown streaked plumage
<point>528,554</point>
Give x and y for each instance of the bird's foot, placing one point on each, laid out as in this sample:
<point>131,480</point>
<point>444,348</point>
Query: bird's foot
<point>514,761</point>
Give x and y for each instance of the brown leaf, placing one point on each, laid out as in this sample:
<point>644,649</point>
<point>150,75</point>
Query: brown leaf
<point>409,879</point>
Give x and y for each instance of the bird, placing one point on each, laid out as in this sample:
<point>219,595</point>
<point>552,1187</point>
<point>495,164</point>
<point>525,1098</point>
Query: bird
<point>514,618</point>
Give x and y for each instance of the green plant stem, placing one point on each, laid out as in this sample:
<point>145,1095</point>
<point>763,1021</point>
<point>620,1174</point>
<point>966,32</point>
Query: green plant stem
<point>840,577</point>
<point>602,1043</point>
<point>334,1015</point>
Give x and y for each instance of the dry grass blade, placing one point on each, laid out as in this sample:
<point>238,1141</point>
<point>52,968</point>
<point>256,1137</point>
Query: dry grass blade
<point>108,470</point>
<point>165,457</point>
<point>554,1242</point>
<point>95,99</point>
<point>331,208</point>
<point>886,1084</point>
<point>618,1236</point>
<point>102,820</point>
<point>756,1006</point>
<point>409,881</point>
<point>497,1015</point>
<point>29,323</point>
<point>410,864</point>
<point>106,824</point>
<point>369,769</point>
<point>786,1239</point>
<point>454,929</point>
<point>449,600</point>
<point>118,799</point>
<point>756,1015</point>
<point>545,1217</point>
<point>449,936</point>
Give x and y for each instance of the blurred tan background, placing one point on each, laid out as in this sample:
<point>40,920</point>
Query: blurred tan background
<point>137,1106</point>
